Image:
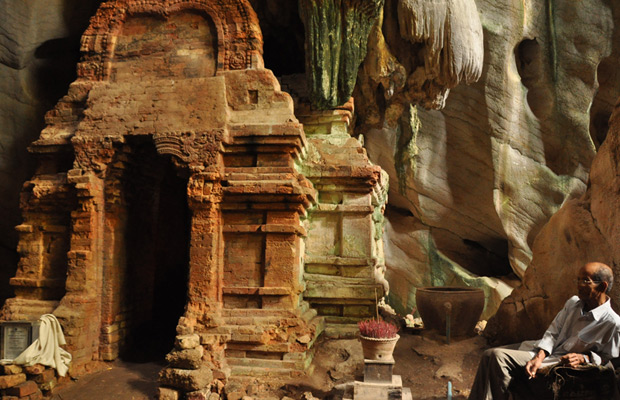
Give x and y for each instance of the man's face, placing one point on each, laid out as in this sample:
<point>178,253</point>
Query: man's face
<point>588,288</point>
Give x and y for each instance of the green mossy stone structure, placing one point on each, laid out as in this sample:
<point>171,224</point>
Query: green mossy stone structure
<point>336,37</point>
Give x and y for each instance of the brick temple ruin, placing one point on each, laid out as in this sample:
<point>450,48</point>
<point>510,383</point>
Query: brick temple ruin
<point>180,194</point>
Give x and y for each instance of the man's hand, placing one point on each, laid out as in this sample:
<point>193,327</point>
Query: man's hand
<point>573,359</point>
<point>534,364</point>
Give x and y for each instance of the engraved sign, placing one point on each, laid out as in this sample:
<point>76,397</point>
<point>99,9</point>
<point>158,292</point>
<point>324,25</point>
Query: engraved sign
<point>16,337</point>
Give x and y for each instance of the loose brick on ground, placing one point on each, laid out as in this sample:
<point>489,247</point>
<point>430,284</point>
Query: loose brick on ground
<point>12,369</point>
<point>46,376</point>
<point>8,381</point>
<point>34,369</point>
<point>23,389</point>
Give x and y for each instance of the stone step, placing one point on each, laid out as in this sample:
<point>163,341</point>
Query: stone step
<point>260,176</point>
<point>329,286</point>
<point>309,314</point>
<point>337,260</point>
<point>337,320</point>
<point>239,370</point>
<point>253,333</point>
<point>262,348</point>
<point>265,363</point>
<point>267,316</point>
<point>260,170</point>
<point>260,312</point>
<point>257,367</point>
<point>256,321</point>
<point>331,280</point>
<point>340,331</point>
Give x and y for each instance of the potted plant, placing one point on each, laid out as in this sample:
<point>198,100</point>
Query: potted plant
<point>378,339</point>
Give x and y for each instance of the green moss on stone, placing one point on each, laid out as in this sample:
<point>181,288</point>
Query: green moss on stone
<point>407,149</point>
<point>336,38</point>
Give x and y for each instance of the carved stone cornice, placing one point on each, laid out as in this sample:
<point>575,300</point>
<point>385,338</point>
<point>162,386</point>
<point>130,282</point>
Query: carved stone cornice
<point>196,149</point>
<point>94,153</point>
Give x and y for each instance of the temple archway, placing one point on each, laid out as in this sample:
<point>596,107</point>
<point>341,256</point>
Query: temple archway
<point>146,254</point>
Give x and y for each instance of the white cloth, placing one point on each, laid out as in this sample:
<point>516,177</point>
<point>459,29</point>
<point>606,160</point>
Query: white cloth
<point>595,333</point>
<point>46,349</point>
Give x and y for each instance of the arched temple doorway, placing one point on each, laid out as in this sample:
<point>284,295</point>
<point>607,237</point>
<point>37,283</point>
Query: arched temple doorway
<point>146,253</point>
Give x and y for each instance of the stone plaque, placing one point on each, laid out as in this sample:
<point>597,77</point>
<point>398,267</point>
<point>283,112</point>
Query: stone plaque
<point>16,337</point>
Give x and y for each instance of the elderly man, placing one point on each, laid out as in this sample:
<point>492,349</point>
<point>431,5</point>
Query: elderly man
<point>585,331</point>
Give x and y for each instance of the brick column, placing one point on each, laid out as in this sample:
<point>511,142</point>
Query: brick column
<point>205,254</point>
<point>79,310</point>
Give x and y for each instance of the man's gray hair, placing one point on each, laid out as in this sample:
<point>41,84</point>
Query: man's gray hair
<point>604,274</point>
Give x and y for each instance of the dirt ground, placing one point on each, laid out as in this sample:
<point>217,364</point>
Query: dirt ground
<point>424,361</point>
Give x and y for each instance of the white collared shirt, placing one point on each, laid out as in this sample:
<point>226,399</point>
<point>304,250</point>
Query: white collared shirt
<point>595,333</point>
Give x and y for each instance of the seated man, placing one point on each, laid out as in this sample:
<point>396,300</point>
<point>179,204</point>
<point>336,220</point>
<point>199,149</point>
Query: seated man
<point>585,331</point>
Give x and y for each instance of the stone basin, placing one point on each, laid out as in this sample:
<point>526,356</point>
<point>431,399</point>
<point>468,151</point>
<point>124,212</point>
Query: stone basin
<point>465,305</point>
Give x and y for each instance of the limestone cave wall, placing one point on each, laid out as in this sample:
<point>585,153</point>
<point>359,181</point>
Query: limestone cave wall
<point>39,50</point>
<point>584,229</point>
<point>472,184</point>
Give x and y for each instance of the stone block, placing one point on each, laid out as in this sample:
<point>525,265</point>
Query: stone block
<point>23,389</point>
<point>363,311</point>
<point>38,395</point>
<point>323,237</point>
<point>48,385</point>
<point>189,380</point>
<point>379,391</point>
<point>236,395</point>
<point>34,369</point>
<point>329,309</point>
<point>340,288</point>
<point>12,369</point>
<point>222,373</point>
<point>8,381</point>
<point>46,376</point>
<point>164,393</point>
<point>378,371</point>
<point>198,395</point>
<point>359,199</point>
<point>323,269</point>
<point>187,359</point>
<point>357,236</point>
<point>187,341</point>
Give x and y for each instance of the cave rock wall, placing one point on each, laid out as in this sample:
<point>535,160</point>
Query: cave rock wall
<point>473,183</point>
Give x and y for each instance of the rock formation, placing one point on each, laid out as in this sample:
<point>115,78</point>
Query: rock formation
<point>583,230</point>
<point>472,184</point>
<point>336,37</point>
<point>39,48</point>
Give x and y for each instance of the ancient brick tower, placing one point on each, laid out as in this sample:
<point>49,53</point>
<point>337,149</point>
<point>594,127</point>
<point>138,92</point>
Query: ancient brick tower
<point>169,202</point>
